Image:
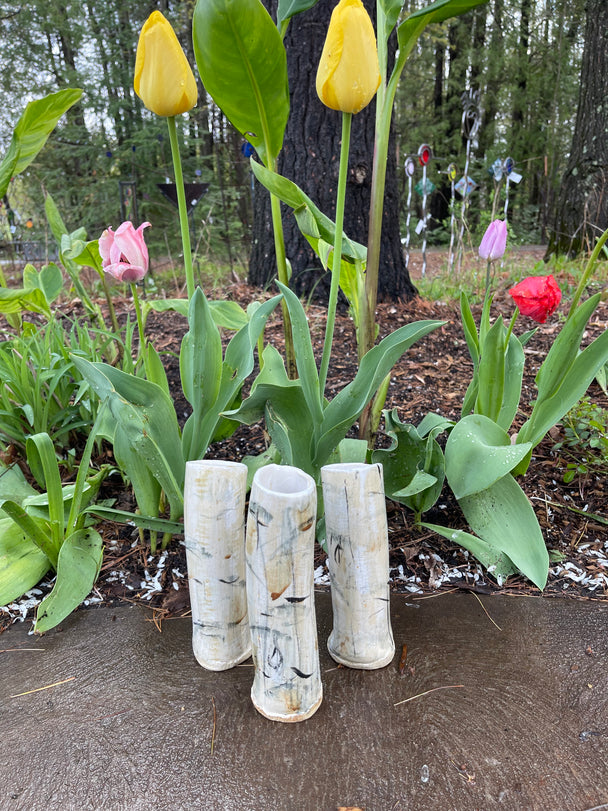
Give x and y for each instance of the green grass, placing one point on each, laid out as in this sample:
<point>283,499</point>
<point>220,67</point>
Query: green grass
<point>447,285</point>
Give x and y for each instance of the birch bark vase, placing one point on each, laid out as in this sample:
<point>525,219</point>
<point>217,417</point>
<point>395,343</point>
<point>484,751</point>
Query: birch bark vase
<point>357,559</point>
<point>214,529</point>
<point>280,593</point>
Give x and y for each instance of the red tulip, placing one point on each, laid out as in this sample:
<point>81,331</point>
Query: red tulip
<point>124,253</point>
<point>537,297</point>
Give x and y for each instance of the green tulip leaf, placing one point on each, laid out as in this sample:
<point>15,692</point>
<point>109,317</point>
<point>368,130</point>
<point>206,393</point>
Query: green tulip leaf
<point>564,349</point>
<point>136,519</point>
<point>13,485</point>
<point>36,123</point>
<point>345,408</point>
<point>421,482</point>
<point>146,421</point>
<point>414,467</point>
<point>514,371</point>
<point>16,300</point>
<point>478,453</point>
<point>77,569</point>
<point>549,410</point>
<point>236,367</point>
<point>305,358</point>
<point>495,561</point>
<point>200,358</point>
<point>392,10</point>
<point>287,415</point>
<point>49,279</point>
<point>491,372</point>
<point>89,256</point>
<point>503,517</point>
<point>288,9</point>
<point>243,66</point>
<point>470,328</point>
<point>311,221</point>
<point>22,563</point>
<point>226,314</point>
<point>348,451</point>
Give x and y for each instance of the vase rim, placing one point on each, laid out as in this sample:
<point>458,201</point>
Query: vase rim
<point>284,480</point>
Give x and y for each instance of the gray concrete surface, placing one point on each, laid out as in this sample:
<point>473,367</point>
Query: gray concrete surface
<point>137,724</point>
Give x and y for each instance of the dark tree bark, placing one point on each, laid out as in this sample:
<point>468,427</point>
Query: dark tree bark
<point>310,157</point>
<point>582,205</point>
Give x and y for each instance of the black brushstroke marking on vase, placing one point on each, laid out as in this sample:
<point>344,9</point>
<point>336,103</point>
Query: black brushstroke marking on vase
<point>300,674</point>
<point>296,599</point>
<point>275,659</point>
<point>229,581</point>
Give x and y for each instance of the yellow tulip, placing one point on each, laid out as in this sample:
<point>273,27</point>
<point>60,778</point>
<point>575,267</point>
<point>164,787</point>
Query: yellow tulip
<point>348,74</point>
<point>163,78</point>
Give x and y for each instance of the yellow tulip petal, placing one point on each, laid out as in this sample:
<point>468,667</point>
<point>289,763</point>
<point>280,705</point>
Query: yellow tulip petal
<point>348,74</point>
<point>163,78</point>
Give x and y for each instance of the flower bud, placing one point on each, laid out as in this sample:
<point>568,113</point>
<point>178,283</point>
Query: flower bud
<point>494,240</point>
<point>124,253</point>
<point>348,74</point>
<point>163,78</point>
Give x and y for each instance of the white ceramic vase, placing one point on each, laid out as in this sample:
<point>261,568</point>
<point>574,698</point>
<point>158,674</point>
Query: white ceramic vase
<point>357,559</point>
<point>280,593</point>
<point>214,529</point>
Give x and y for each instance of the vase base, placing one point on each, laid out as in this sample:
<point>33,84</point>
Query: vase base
<point>288,718</point>
<point>222,664</point>
<point>354,664</point>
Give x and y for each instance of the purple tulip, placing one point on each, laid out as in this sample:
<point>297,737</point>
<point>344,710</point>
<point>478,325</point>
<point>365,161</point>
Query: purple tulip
<point>124,253</point>
<point>494,241</point>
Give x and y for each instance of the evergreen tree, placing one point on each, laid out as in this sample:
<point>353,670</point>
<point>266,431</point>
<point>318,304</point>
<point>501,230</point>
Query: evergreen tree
<point>582,205</point>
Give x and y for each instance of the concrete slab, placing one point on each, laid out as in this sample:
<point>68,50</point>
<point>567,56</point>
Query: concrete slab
<point>134,723</point>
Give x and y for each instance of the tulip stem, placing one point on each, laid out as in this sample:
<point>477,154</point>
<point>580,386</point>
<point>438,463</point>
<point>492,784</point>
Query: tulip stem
<point>141,351</point>
<point>488,276</point>
<point>283,275</point>
<point>337,254</point>
<point>181,205</point>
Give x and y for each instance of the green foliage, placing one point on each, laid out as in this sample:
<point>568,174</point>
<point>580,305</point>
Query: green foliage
<point>565,374</point>
<point>584,441</point>
<point>32,131</point>
<point>414,465</point>
<point>305,429</point>
<point>243,66</point>
<point>49,531</point>
<point>148,444</point>
<point>42,390</point>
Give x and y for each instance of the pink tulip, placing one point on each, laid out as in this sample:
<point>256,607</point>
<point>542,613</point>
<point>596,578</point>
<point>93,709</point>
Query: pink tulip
<point>494,241</point>
<point>124,253</point>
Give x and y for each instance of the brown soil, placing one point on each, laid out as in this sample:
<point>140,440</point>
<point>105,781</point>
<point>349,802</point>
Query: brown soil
<point>432,376</point>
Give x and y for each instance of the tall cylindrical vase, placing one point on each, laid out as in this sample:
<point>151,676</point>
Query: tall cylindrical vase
<point>357,559</point>
<point>280,593</point>
<point>214,529</point>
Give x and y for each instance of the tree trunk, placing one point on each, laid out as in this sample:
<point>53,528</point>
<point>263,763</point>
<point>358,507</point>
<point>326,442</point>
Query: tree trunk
<point>582,206</point>
<point>310,157</point>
